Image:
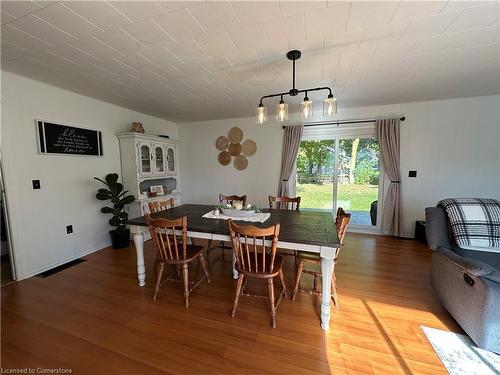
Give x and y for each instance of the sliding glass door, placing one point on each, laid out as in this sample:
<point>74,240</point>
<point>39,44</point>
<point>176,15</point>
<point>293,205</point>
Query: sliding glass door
<point>340,171</point>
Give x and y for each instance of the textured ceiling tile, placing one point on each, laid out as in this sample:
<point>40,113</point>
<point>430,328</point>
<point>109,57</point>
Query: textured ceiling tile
<point>250,12</point>
<point>6,18</point>
<point>100,13</point>
<point>383,34</point>
<point>146,32</point>
<point>327,21</point>
<point>217,44</point>
<point>366,14</point>
<point>42,30</point>
<point>290,8</point>
<point>287,30</point>
<point>119,41</point>
<point>180,25</point>
<point>23,40</point>
<point>138,10</point>
<point>428,26</point>
<point>475,18</point>
<point>249,37</point>
<point>18,9</point>
<point>67,20</point>
<point>215,17</point>
<point>415,9</point>
<point>459,5</point>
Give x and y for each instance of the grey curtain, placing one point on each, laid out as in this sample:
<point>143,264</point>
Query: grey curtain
<point>291,143</point>
<point>388,137</point>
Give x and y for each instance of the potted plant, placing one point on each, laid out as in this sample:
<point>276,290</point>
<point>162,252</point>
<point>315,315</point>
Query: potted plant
<point>119,198</point>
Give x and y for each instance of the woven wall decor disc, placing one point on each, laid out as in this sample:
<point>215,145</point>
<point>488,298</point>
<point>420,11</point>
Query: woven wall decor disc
<point>234,149</point>
<point>240,162</point>
<point>249,147</point>
<point>221,143</point>
<point>235,135</point>
<point>224,158</point>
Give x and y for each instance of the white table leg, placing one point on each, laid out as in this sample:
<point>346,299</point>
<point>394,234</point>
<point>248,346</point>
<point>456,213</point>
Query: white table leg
<point>327,265</point>
<point>139,248</point>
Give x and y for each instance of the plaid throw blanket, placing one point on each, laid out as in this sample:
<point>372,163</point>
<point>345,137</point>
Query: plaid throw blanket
<point>475,222</point>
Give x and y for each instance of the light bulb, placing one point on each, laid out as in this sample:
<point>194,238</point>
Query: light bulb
<point>330,106</point>
<point>306,109</point>
<point>282,111</point>
<point>261,114</point>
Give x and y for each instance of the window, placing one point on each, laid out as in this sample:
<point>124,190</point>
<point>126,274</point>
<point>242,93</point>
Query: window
<point>340,169</point>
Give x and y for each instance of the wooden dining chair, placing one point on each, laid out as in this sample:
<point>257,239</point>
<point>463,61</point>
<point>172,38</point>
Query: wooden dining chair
<point>232,198</point>
<point>157,206</point>
<point>225,199</point>
<point>284,203</point>
<point>254,259</point>
<point>304,258</point>
<point>164,233</point>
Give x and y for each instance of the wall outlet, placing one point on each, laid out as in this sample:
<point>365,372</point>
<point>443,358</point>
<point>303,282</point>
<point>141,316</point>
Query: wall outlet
<point>36,184</point>
<point>412,174</point>
<point>69,229</point>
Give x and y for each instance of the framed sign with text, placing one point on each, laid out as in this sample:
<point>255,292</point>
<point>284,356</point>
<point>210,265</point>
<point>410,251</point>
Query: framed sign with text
<point>63,139</point>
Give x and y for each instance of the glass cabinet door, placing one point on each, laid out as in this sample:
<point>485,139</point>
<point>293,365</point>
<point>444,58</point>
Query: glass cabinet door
<point>159,160</point>
<point>145,155</point>
<point>171,159</point>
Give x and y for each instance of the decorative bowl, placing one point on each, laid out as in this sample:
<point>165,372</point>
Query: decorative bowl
<point>237,213</point>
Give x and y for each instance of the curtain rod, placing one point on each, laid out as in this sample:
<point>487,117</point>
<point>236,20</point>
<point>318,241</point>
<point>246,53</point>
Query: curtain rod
<point>342,122</point>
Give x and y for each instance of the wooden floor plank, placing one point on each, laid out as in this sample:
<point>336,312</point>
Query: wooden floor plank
<point>93,318</point>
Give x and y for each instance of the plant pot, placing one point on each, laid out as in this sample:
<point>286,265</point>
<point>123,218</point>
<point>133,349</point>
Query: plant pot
<point>120,238</point>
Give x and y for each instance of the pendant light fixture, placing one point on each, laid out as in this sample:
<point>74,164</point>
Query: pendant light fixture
<point>306,110</point>
<point>282,110</point>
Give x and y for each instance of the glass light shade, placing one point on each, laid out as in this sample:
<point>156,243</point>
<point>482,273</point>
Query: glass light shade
<point>329,107</point>
<point>282,111</point>
<point>261,114</point>
<point>306,110</point>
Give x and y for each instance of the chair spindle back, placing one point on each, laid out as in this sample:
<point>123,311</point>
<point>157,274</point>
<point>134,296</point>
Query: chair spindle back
<point>284,203</point>
<point>232,198</point>
<point>249,247</point>
<point>341,223</point>
<point>163,233</point>
<point>157,206</point>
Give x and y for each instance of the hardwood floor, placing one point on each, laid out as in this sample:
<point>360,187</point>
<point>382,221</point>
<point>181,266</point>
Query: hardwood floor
<point>94,319</point>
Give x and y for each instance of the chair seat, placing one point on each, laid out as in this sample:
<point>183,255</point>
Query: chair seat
<point>192,252</point>
<point>306,256</point>
<point>278,264</point>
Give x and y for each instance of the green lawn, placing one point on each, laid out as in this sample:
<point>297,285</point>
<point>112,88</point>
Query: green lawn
<point>350,196</point>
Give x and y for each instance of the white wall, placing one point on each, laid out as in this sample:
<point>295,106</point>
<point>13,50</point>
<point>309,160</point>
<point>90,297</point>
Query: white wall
<point>67,196</point>
<point>453,144</point>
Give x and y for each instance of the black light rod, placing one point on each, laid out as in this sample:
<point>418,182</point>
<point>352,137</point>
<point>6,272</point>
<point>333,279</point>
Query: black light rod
<point>298,91</point>
<point>341,122</point>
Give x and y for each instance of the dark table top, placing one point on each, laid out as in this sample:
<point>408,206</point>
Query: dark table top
<point>303,227</point>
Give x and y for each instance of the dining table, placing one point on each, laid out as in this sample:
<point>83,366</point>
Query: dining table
<point>309,231</point>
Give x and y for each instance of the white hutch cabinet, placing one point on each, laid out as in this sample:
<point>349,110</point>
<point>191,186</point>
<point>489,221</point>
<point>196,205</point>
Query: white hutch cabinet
<point>147,161</point>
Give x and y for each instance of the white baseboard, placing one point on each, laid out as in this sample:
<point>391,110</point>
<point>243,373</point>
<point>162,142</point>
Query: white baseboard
<point>56,264</point>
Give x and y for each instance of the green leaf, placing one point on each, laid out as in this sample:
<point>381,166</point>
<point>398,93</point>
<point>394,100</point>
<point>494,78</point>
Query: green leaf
<point>103,197</point>
<point>107,210</point>
<point>111,179</point>
<point>115,221</point>
<point>98,179</point>
<point>127,200</point>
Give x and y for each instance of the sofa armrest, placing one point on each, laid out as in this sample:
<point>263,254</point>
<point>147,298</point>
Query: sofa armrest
<point>436,228</point>
<point>471,266</point>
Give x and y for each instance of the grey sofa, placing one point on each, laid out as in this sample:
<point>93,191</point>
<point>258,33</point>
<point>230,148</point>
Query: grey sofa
<point>467,282</point>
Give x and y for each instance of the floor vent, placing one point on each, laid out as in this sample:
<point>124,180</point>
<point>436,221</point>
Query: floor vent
<point>60,268</point>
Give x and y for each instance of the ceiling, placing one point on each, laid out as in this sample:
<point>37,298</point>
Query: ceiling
<point>187,61</point>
